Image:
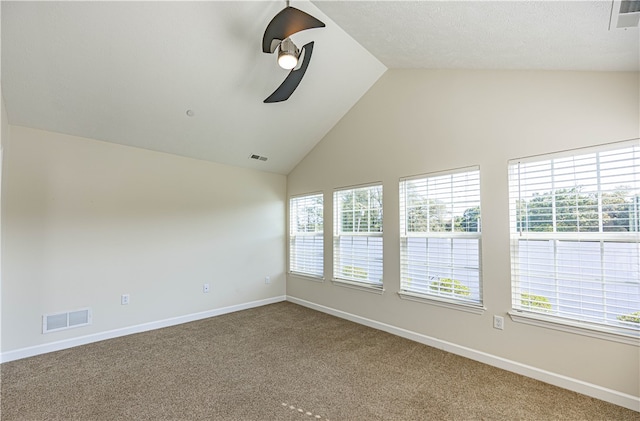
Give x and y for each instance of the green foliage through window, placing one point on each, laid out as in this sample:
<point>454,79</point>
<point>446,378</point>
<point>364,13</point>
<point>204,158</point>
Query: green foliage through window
<point>443,203</point>
<point>354,272</point>
<point>361,210</point>
<point>573,210</point>
<point>535,302</point>
<point>307,213</point>
<point>632,318</point>
<point>449,286</point>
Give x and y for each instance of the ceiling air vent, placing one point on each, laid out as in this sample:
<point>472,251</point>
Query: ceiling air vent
<point>258,157</point>
<point>625,14</point>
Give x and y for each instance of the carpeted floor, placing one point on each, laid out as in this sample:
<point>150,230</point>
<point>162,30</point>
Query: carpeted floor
<point>278,362</point>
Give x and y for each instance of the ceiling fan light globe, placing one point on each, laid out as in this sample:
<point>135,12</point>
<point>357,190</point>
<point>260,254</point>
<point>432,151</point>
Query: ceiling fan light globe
<point>288,54</point>
<point>287,61</point>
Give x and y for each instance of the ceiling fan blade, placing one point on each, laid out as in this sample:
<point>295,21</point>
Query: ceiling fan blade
<point>292,81</point>
<point>286,23</point>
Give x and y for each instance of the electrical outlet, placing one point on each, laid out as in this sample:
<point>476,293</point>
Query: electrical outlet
<point>498,322</point>
<point>205,288</point>
<point>124,299</point>
<point>267,279</point>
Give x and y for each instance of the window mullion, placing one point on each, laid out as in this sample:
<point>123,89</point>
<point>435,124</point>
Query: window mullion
<point>453,257</point>
<point>556,291</point>
<point>603,284</point>
<point>603,281</point>
<point>554,222</point>
<point>599,194</point>
<point>428,205</point>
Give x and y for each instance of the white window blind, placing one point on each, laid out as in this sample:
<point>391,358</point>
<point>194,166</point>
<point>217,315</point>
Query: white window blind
<point>357,244</point>
<point>575,252</point>
<point>440,234</point>
<point>306,239</point>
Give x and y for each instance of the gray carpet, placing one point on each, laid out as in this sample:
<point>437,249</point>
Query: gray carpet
<point>278,362</point>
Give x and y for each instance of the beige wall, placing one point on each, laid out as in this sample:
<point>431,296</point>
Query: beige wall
<point>420,121</point>
<point>86,221</point>
<point>4,136</point>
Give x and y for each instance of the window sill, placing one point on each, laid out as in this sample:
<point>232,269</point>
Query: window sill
<point>585,329</point>
<point>306,276</point>
<point>442,302</point>
<point>374,288</point>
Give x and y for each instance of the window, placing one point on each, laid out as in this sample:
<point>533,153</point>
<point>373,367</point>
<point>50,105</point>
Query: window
<point>440,233</point>
<point>574,238</point>
<point>357,242</point>
<point>306,240</point>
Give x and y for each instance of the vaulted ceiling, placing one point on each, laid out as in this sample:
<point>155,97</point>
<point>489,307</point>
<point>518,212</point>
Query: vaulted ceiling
<point>129,72</point>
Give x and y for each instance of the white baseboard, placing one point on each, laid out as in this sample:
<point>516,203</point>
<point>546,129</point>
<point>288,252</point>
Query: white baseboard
<point>101,336</point>
<point>579,386</point>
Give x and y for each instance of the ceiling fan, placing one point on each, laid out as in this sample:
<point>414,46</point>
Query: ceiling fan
<point>276,37</point>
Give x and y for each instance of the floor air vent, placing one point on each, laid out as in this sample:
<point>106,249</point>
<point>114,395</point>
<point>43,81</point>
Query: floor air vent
<point>67,320</point>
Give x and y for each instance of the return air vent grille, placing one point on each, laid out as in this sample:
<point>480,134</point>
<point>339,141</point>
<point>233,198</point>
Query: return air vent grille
<point>625,14</point>
<point>629,6</point>
<point>66,320</point>
<point>258,157</point>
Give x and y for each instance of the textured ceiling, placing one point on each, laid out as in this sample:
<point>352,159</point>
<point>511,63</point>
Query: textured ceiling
<point>127,72</point>
<point>551,35</point>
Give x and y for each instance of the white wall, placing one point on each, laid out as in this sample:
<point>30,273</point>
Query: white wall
<point>419,121</point>
<point>85,221</point>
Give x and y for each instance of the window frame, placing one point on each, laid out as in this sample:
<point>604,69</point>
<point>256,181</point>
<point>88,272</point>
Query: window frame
<point>294,234</point>
<point>367,285</point>
<point>442,300</point>
<point>556,319</point>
